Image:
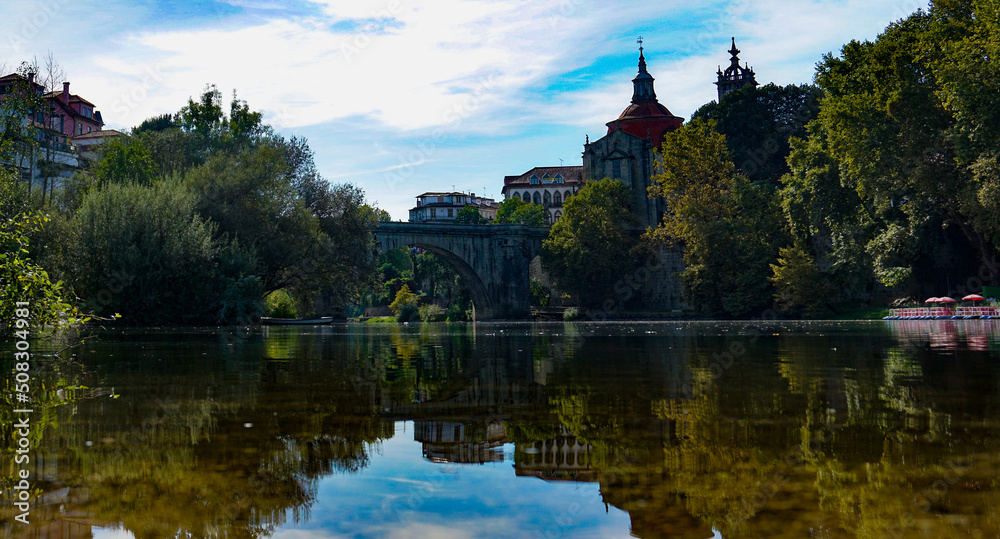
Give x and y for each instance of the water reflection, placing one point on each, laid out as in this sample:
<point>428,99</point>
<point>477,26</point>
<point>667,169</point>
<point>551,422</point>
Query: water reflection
<point>689,430</point>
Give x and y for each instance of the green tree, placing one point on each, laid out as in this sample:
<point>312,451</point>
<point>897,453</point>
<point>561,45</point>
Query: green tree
<point>895,119</point>
<point>515,211</point>
<point>125,160</point>
<point>144,253</point>
<point>728,227</point>
<point>594,242</point>
<point>21,278</point>
<point>799,285</point>
<point>469,215</point>
<point>758,122</point>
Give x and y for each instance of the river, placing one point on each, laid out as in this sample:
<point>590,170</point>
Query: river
<point>667,429</point>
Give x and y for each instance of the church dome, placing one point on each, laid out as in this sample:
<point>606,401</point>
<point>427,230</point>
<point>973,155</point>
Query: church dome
<point>645,117</point>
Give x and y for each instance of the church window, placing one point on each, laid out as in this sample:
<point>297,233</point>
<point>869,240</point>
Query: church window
<point>517,196</point>
<point>558,214</point>
<point>534,180</point>
<point>557,198</point>
<point>616,169</point>
<point>548,198</point>
<point>537,199</point>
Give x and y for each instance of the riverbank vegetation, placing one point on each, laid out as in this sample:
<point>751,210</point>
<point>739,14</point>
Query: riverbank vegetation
<point>192,217</point>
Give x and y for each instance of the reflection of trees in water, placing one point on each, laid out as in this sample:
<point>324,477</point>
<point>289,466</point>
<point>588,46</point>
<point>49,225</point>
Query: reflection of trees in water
<point>835,433</point>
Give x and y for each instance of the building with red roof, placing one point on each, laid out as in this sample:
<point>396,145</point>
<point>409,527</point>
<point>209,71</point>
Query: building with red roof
<point>626,151</point>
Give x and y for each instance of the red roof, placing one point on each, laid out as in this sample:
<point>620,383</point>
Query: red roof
<point>646,119</point>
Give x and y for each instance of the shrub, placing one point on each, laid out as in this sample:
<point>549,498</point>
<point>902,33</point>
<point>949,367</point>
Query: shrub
<point>432,313</point>
<point>280,304</point>
<point>571,313</point>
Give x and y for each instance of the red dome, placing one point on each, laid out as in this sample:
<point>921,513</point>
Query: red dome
<point>646,119</point>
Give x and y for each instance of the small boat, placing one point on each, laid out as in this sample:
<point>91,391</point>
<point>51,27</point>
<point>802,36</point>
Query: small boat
<point>268,321</point>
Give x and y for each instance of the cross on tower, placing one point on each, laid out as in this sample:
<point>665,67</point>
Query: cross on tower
<point>639,41</point>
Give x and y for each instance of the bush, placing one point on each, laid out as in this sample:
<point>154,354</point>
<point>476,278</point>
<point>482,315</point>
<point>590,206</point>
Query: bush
<point>409,312</point>
<point>456,313</point>
<point>432,313</point>
<point>571,313</point>
<point>280,304</point>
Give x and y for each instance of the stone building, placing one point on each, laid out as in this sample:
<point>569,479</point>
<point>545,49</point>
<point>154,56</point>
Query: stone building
<point>626,151</point>
<point>548,186</point>
<point>734,77</point>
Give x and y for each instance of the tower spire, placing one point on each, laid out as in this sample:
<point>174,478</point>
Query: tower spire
<point>734,77</point>
<point>643,82</point>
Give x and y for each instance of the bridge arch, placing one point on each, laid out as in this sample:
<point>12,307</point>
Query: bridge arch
<point>481,300</point>
<point>493,260</point>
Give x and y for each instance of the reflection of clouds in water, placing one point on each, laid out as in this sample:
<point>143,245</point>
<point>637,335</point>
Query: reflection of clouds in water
<point>111,533</point>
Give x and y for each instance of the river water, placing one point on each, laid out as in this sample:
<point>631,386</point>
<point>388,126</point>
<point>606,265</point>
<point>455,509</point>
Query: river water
<point>692,430</point>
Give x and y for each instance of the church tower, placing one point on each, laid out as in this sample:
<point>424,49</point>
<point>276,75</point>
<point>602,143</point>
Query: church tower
<point>626,152</point>
<point>734,77</point>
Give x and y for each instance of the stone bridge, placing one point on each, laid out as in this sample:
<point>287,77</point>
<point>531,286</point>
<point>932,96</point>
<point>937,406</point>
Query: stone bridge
<point>492,259</point>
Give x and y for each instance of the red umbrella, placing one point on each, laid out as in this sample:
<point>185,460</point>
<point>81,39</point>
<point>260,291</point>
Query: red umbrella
<point>973,297</point>
<point>932,300</point>
<point>946,299</point>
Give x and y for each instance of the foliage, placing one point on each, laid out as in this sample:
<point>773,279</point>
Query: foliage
<point>905,121</point>
<point>280,304</point>
<point>515,211</point>
<point>404,298</point>
<point>125,160</point>
<point>571,313</point>
<point>17,135</point>
<point>799,286</point>
<point>758,123</point>
<point>432,313</point>
<point>539,293</point>
<point>469,215</point>
<point>729,227</point>
<point>143,252</point>
<point>595,241</point>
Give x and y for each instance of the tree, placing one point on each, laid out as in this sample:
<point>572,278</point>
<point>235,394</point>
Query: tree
<point>758,123</point>
<point>799,285</point>
<point>594,242</point>
<point>125,160</point>
<point>728,227</point>
<point>899,120</point>
<point>22,280</point>
<point>469,215</point>
<point>515,211</point>
<point>144,253</point>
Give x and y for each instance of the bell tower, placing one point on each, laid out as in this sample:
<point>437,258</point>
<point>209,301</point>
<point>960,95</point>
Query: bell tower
<point>734,77</point>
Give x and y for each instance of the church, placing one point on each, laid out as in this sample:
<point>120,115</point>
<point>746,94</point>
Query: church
<point>626,151</point>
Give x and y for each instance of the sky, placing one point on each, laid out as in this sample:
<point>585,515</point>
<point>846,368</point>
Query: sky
<point>401,97</point>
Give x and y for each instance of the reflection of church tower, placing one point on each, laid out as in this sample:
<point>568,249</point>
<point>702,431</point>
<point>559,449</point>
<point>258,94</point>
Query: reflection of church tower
<point>626,152</point>
<point>734,77</point>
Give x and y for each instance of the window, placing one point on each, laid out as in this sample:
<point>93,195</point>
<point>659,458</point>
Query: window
<point>517,196</point>
<point>547,198</point>
<point>537,199</point>
<point>616,169</point>
<point>558,214</point>
<point>434,213</point>
<point>451,212</point>
<point>534,180</point>
<point>559,178</point>
<point>557,198</point>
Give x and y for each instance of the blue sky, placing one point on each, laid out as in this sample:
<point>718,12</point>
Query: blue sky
<point>402,96</point>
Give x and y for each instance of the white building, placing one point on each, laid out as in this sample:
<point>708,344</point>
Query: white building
<point>547,186</point>
<point>444,207</point>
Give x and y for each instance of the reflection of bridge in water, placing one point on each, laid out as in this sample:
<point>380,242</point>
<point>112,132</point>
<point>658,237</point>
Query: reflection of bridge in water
<point>493,260</point>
